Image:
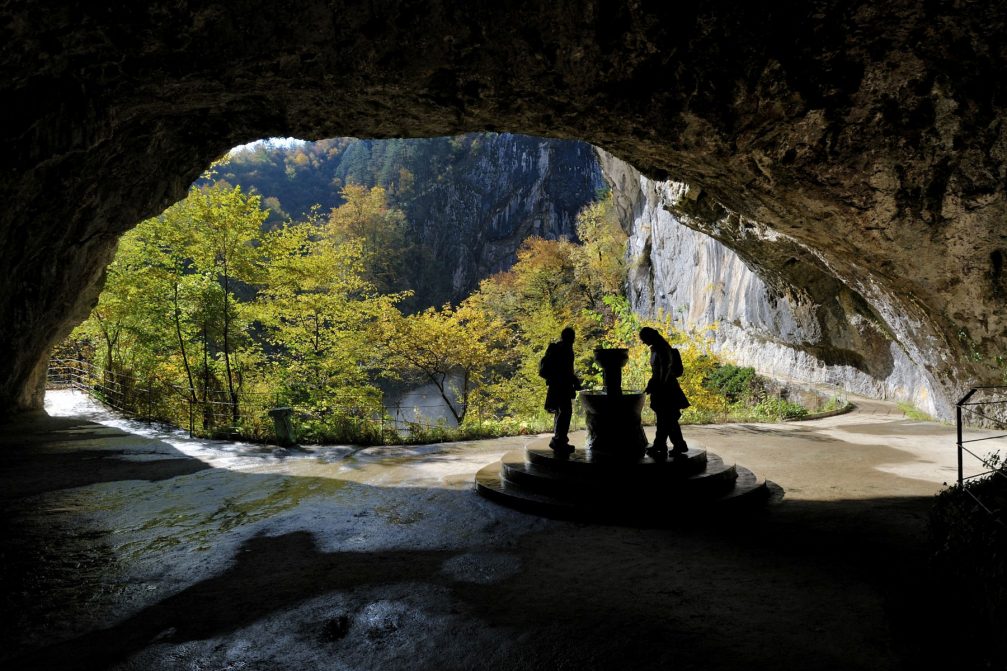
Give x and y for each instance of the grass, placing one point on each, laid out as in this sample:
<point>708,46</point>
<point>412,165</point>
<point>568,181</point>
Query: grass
<point>914,413</point>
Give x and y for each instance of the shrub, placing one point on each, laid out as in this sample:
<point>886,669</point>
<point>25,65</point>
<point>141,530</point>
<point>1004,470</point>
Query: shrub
<point>776,409</point>
<point>736,383</point>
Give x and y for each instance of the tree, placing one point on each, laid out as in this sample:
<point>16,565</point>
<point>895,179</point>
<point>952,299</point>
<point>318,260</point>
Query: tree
<point>457,350</point>
<point>226,227</point>
<point>320,315</point>
<point>536,299</point>
<point>600,261</point>
<point>698,359</point>
<point>366,216</point>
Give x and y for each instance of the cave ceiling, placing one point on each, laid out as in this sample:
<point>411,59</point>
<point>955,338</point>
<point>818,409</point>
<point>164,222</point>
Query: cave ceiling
<point>871,134</point>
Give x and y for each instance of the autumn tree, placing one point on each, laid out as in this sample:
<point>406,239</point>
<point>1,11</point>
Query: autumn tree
<point>698,358</point>
<point>600,260</point>
<point>381,230</point>
<point>320,314</point>
<point>459,351</point>
<point>535,300</point>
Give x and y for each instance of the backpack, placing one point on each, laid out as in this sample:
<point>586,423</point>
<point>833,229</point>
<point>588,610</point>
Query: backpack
<point>546,364</point>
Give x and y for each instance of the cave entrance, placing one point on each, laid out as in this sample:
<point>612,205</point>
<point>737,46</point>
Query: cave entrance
<point>279,279</point>
<point>307,275</point>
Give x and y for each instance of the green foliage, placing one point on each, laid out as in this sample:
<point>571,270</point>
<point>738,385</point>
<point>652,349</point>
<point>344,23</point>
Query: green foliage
<point>736,383</point>
<point>697,358</point>
<point>207,319</point>
<point>460,351</point>
<point>775,409</point>
<point>748,397</point>
<point>914,413</point>
<point>832,404</point>
<point>319,316</point>
<point>169,310</point>
<point>600,261</point>
<point>366,219</point>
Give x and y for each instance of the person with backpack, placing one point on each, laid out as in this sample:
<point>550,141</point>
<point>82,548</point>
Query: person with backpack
<point>666,396</point>
<point>556,367</point>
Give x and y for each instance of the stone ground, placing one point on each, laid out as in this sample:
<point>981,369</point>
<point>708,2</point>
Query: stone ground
<point>129,552</point>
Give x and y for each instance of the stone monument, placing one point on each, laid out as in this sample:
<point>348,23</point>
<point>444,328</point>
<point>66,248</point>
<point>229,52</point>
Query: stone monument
<point>613,480</point>
<point>614,428</point>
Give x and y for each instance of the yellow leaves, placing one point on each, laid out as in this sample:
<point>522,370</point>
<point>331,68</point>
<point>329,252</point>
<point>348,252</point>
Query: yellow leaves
<point>436,344</point>
<point>600,262</point>
<point>366,217</point>
<point>317,304</point>
<point>437,341</point>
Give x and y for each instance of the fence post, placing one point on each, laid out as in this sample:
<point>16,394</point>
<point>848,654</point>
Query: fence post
<point>958,422</point>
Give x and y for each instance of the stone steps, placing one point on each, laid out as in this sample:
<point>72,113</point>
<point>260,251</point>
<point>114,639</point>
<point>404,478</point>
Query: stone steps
<point>582,462</point>
<point>716,475</point>
<point>534,480</point>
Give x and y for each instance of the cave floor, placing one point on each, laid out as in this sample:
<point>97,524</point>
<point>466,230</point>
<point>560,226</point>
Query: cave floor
<point>129,552</point>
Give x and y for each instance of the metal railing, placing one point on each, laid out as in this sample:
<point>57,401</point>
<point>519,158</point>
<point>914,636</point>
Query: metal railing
<point>109,387</point>
<point>979,414</point>
<point>154,400</point>
<point>147,399</point>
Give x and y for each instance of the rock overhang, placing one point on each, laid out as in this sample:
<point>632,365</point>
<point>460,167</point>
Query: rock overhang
<point>871,135</point>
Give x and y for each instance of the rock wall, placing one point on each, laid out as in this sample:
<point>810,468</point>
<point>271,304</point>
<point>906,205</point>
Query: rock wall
<point>473,216</point>
<point>772,324</point>
<point>470,201</point>
<point>870,137</point>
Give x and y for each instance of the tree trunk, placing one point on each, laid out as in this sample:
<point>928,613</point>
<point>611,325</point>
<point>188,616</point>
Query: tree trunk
<point>441,384</point>
<point>207,417</point>
<point>181,346</point>
<point>227,349</point>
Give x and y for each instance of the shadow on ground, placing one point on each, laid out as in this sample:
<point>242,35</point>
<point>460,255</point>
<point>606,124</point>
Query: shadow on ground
<point>803,584</point>
<point>45,454</point>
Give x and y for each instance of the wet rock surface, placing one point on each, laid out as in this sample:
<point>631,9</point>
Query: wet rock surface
<point>871,135</point>
<point>387,559</point>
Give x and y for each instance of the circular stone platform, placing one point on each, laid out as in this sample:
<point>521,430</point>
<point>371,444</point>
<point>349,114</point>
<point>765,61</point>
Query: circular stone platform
<point>591,486</point>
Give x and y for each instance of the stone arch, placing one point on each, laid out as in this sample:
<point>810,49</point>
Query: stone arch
<point>872,136</point>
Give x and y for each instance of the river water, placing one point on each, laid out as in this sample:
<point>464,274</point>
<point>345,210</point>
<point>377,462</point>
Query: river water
<point>421,405</point>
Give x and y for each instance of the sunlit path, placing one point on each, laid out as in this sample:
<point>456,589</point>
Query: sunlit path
<point>386,558</point>
<point>334,461</point>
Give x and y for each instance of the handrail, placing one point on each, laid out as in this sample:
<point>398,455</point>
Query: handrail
<point>993,467</point>
<point>111,388</point>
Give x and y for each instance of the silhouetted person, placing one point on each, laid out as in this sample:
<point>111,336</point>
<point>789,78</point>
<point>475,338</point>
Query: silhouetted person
<point>556,367</point>
<point>666,396</point>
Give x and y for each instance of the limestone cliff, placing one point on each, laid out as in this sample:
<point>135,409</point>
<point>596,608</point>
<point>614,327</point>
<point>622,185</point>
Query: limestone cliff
<point>782,312</point>
<point>474,217</point>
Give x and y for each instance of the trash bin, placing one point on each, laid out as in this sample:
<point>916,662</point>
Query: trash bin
<point>283,425</point>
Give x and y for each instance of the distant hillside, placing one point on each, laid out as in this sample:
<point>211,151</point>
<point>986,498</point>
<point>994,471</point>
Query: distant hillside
<point>470,200</point>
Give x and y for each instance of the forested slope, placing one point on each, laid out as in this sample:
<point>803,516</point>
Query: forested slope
<point>469,201</point>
